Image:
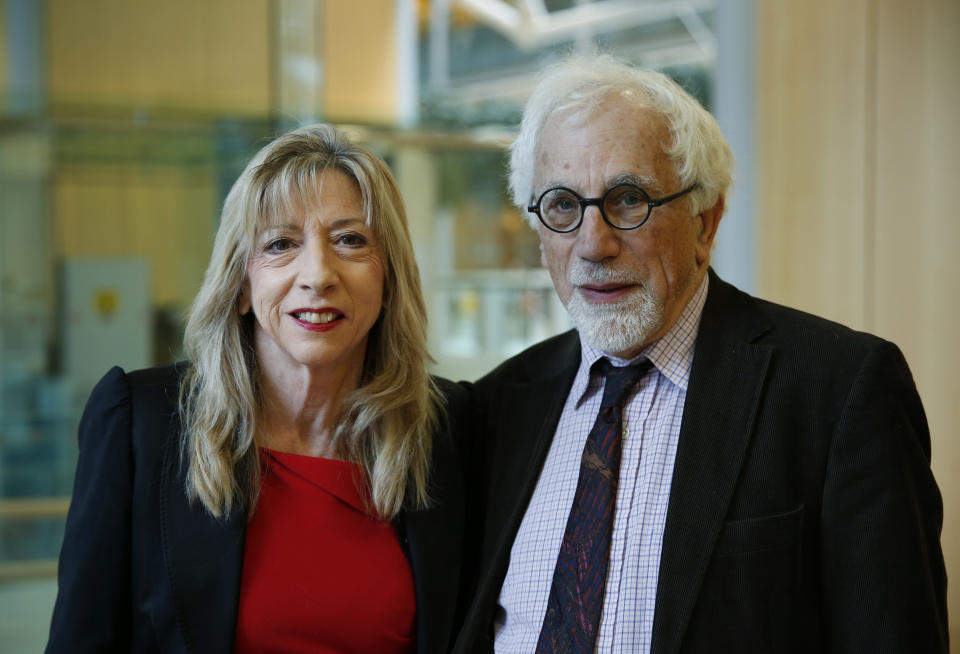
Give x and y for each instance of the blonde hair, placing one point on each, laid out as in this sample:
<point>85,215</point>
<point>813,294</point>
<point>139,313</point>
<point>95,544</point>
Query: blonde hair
<point>386,424</point>
<point>698,149</point>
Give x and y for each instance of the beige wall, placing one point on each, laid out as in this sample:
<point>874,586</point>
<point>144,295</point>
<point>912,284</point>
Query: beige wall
<point>210,56</point>
<point>858,156</point>
<point>216,56</point>
<point>811,147</point>
<point>360,63</point>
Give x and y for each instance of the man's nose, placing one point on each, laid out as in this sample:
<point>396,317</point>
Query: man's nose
<point>596,239</point>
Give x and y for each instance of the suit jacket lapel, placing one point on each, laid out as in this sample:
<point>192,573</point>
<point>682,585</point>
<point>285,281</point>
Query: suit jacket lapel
<point>725,384</point>
<point>204,560</point>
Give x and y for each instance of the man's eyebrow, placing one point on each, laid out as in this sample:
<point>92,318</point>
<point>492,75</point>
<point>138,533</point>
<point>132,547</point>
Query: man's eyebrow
<point>553,184</point>
<point>648,184</point>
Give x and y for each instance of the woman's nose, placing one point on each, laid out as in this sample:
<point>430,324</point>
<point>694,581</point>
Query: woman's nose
<point>318,269</point>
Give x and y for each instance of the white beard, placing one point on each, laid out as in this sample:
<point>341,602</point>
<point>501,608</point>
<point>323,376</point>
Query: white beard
<point>615,326</point>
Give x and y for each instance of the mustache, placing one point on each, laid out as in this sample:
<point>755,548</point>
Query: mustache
<point>587,272</point>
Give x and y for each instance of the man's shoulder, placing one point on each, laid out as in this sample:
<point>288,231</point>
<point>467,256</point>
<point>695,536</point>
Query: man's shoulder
<point>794,327</point>
<point>780,325</point>
<point>545,359</point>
<point>805,355</point>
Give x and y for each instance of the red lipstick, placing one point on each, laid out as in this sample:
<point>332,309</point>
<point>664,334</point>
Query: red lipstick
<point>317,320</point>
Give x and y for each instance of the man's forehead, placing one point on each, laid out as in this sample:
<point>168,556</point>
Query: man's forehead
<point>581,110</point>
<point>626,139</point>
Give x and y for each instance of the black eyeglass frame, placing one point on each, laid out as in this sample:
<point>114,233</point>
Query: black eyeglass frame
<point>598,203</point>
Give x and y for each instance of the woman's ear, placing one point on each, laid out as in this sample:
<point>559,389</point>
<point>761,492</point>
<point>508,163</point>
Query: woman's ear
<point>243,302</point>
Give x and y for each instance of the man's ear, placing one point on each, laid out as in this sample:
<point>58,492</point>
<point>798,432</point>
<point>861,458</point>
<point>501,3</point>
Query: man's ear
<point>709,220</point>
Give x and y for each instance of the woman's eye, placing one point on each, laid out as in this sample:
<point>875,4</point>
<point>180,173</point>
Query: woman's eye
<point>351,239</point>
<point>280,244</point>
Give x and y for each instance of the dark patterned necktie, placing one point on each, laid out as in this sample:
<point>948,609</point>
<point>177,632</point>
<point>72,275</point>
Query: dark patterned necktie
<point>572,620</point>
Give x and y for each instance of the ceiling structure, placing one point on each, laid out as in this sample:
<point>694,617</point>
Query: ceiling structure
<point>528,23</point>
<point>521,35</point>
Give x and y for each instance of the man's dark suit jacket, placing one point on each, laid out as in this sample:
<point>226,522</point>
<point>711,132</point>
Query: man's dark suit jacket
<point>143,570</point>
<point>803,515</point>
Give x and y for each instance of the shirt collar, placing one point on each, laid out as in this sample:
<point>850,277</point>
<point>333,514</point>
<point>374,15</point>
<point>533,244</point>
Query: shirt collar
<point>671,354</point>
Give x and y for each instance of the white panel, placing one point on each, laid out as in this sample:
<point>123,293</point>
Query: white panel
<point>106,318</point>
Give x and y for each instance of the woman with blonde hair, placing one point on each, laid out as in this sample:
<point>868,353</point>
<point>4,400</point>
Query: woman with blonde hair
<point>292,487</point>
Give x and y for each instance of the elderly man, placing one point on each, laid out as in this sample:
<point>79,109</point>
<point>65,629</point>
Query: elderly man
<point>691,469</point>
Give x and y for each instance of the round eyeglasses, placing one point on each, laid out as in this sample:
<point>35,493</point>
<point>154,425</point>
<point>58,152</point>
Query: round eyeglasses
<point>623,206</point>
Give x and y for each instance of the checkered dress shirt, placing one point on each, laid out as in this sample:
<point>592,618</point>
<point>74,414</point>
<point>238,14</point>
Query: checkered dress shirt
<point>651,430</point>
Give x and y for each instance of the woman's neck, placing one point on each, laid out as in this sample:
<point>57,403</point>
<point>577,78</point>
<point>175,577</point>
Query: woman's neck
<point>300,408</point>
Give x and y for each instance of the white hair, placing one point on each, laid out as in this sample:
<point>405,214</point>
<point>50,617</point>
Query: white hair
<point>699,150</point>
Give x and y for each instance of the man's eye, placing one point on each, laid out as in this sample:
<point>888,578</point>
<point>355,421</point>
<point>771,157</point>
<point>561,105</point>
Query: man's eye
<point>563,203</point>
<point>629,199</point>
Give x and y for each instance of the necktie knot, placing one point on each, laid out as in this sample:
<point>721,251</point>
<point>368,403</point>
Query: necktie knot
<point>619,380</point>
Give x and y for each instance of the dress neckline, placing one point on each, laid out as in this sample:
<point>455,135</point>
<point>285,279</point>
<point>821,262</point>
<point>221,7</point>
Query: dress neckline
<point>345,480</point>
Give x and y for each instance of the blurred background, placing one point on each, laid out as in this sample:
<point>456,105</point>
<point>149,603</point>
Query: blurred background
<point>123,123</point>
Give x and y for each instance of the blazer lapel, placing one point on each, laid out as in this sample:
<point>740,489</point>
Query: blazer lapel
<point>714,435</point>
<point>204,560</point>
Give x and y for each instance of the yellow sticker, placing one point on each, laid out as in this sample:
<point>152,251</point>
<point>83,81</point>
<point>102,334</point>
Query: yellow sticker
<point>105,302</point>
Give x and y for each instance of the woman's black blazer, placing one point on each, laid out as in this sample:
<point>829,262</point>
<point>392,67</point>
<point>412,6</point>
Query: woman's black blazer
<point>144,570</point>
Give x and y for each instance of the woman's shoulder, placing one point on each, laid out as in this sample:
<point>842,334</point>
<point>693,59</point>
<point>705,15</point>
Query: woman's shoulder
<point>115,388</point>
<point>117,379</point>
<point>160,377</point>
<point>118,384</point>
<point>143,399</point>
